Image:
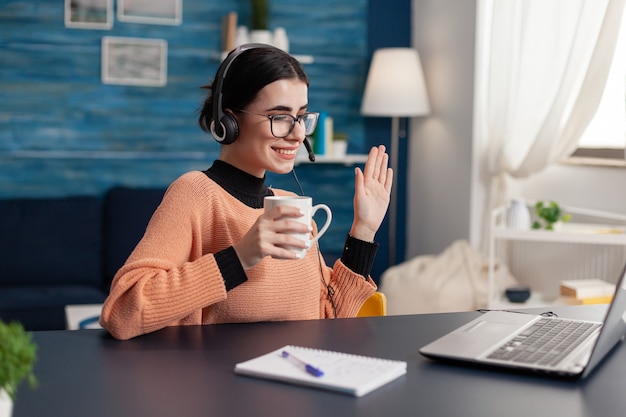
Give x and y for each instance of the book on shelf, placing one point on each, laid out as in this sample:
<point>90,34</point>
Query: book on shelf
<point>584,301</point>
<point>587,288</point>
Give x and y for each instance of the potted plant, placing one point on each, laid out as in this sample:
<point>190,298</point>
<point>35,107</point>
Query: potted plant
<point>17,357</point>
<point>259,30</point>
<point>548,215</point>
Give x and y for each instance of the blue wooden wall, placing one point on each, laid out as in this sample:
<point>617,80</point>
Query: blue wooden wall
<point>63,132</point>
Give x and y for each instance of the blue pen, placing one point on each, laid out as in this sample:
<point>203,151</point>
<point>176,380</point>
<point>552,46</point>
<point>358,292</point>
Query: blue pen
<point>307,367</point>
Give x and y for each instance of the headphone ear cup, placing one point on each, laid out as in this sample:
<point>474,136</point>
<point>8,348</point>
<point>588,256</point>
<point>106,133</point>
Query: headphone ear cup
<point>228,127</point>
<point>231,128</point>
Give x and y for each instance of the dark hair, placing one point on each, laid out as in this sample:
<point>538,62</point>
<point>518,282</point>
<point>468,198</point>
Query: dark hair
<point>248,74</point>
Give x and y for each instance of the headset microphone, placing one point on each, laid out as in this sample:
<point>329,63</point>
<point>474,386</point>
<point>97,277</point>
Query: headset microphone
<point>309,150</point>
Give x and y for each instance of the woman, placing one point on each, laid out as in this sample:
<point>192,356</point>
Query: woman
<point>210,253</point>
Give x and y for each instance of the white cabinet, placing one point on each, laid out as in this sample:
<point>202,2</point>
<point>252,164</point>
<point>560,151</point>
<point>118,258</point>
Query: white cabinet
<point>589,227</point>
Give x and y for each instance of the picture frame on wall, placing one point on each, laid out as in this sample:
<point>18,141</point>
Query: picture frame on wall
<point>157,12</point>
<point>134,61</point>
<point>89,14</point>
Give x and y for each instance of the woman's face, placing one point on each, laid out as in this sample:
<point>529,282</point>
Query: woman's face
<point>256,149</point>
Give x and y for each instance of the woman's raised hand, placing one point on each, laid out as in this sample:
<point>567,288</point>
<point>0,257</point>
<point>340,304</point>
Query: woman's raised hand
<point>371,196</point>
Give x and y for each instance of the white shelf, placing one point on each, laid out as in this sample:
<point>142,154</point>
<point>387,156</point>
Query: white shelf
<point>580,233</point>
<point>569,233</point>
<point>348,159</point>
<point>536,300</point>
<point>303,59</point>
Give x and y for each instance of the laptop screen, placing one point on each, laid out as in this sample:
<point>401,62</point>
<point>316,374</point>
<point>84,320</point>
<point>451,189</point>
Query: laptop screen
<point>614,325</point>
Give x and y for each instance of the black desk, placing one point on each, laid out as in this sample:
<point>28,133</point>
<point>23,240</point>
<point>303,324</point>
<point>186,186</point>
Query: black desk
<point>188,371</point>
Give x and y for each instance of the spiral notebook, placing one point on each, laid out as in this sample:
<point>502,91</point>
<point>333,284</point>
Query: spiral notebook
<point>324,369</point>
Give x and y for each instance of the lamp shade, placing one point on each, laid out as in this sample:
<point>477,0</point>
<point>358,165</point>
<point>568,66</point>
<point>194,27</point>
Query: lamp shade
<point>395,85</point>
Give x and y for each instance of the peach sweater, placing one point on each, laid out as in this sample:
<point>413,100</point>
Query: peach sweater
<point>171,278</point>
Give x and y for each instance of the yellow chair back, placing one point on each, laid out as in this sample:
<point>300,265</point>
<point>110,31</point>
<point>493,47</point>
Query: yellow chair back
<point>376,305</point>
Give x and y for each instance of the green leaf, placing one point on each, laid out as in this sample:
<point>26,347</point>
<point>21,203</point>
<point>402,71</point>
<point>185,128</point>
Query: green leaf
<point>549,214</point>
<point>18,354</point>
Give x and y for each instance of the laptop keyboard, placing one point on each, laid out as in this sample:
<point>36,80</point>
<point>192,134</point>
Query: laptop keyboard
<point>546,342</point>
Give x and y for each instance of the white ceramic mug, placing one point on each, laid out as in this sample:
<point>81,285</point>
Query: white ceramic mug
<point>306,205</point>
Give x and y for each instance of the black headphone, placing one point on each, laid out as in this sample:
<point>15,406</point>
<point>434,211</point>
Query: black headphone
<point>224,126</point>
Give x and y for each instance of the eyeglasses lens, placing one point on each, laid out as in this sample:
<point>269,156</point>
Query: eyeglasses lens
<point>283,124</point>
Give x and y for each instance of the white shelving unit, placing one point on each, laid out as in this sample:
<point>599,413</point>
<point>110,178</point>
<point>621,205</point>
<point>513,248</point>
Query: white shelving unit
<point>580,233</point>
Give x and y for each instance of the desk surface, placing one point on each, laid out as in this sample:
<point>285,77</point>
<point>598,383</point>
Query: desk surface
<point>188,371</point>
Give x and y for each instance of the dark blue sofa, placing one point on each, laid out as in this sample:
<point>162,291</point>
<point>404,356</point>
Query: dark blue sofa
<point>59,251</point>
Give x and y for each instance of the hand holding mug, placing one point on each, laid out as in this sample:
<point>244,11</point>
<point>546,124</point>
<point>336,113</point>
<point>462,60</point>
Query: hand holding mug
<point>282,232</point>
<point>308,210</point>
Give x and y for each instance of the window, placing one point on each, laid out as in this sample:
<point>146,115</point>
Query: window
<point>605,137</point>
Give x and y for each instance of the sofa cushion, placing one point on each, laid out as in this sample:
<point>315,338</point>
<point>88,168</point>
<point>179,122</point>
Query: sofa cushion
<point>127,212</point>
<point>40,307</point>
<point>38,296</point>
<point>51,241</point>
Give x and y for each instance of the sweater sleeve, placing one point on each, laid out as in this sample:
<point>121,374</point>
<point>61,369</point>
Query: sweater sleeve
<point>344,291</point>
<point>166,280</point>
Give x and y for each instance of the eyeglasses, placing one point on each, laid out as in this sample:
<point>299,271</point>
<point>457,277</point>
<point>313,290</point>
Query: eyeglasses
<point>282,125</point>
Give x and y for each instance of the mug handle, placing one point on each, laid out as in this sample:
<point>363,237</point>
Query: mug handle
<point>329,217</point>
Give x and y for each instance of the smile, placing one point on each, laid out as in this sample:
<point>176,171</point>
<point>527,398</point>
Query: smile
<point>286,151</point>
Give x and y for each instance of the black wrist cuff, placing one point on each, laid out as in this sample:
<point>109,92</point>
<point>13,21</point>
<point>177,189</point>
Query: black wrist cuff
<point>230,267</point>
<point>358,255</point>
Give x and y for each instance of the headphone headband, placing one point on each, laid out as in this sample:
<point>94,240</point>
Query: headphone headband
<point>223,126</point>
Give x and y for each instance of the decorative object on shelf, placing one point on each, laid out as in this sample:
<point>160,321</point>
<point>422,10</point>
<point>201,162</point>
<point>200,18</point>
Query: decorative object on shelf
<point>229,32</point>
<point>260,32</point>
<point>242,36</point>
<point>260,13</point>
<point>17,357</point>
<point>261,36</point>
<point>518,215</point>
<point>280,39</point>
<point>340,145</point>
<point>517,293</point>
<point>395,88</point>
<point>549,214</point>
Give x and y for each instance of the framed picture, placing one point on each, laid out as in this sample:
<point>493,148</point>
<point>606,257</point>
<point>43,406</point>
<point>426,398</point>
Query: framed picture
<point>158,12</point>
<point>134,61</point>
<point>89,14</point>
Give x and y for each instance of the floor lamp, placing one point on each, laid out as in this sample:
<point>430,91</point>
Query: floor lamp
<point>395,88</point>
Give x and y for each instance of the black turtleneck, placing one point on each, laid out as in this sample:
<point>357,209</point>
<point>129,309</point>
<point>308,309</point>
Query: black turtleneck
<point>246,188</point>
<point>357,255</point>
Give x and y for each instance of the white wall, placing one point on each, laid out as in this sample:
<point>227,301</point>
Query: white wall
<point>599,188</point>
<point>440,148</point>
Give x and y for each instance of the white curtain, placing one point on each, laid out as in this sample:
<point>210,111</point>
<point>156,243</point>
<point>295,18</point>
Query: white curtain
<point>541,70</point>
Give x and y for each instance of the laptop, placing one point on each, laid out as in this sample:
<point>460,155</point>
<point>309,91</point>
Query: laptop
<point>537,343</point>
